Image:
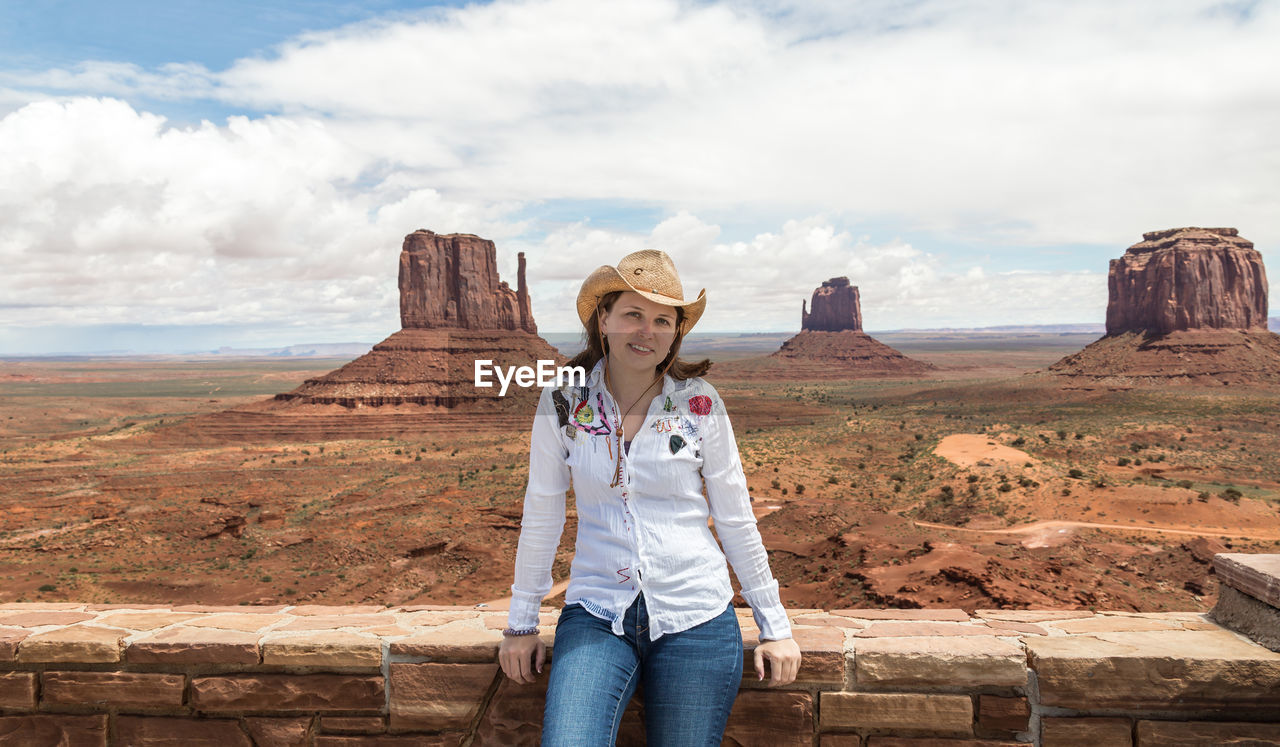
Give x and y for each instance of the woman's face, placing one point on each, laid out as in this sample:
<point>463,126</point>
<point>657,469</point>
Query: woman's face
<point>640,332</point>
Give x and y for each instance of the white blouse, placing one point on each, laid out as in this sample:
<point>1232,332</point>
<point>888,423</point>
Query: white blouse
<point>650,533</point>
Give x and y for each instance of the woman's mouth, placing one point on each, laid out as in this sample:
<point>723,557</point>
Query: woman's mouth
<point>641,349</point>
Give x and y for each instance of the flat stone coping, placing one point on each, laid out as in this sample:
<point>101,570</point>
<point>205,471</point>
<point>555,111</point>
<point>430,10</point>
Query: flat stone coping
<point>361,637</point>
<point>1253,574</point>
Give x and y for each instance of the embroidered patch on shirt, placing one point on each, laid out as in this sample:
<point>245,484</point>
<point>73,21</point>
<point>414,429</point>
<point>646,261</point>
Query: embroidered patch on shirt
<point>562,408</point>
<point>666,425</point>
<point>676,443</point>
<point>700,404</point>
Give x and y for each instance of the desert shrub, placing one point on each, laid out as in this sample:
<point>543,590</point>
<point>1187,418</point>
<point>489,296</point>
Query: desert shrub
<point>972,478</point>
<point>898,477</point>
<point>833,480</point>
<point>1137,462</point>
<point>1122,462</point>
<point>1027,482</point>
<point>784,491</point>
<point>1202,496</point>
<point>775,484</point>
<point>1079,436</point>
<point>1233,495</point>
<point>417,458</point>
<point>1066,492</point>
<point>1019,441</point>
<point>1184,484</point>
<point>897,487</point>
<point>1100,483</point>
<point>948,492</point>
<point>919,436</point>
<point>1075,472</point>
<point>799,489</point>
<point>1004,487</point>
<point>47,587</point>
<point>1135,447</point>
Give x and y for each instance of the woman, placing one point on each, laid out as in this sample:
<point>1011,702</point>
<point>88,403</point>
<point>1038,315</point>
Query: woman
<point>649,595</point>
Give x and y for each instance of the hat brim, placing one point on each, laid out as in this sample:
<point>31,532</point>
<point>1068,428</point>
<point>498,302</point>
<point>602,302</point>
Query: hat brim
<point>606,279</point>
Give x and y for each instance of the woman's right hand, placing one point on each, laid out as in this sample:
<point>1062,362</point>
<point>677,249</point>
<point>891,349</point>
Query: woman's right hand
<point>522,656</point>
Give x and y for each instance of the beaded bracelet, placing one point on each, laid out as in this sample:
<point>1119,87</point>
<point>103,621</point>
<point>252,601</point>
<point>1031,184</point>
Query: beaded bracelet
<point>512,633</point>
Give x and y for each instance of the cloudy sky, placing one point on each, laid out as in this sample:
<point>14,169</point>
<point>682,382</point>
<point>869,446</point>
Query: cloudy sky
<point>179,175</point>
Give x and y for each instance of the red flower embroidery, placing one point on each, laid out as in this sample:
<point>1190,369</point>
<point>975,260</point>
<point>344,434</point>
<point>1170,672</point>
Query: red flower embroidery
<point>700,405</point>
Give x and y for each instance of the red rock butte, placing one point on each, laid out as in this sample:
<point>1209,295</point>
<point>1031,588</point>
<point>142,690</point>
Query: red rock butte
<point>454,310</point>
<point>1185,305</point>
<point>831,344</point>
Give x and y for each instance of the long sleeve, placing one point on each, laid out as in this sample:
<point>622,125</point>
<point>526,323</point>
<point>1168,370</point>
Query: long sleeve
<point>730,506</point>
<point>543,520</point>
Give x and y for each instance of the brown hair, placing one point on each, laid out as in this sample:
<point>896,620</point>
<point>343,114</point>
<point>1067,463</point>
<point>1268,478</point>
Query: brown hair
<point>593,345</point>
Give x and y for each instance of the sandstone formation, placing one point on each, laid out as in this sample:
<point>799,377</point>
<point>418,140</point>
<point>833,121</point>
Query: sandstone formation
<point>451,281</point>
<point>1185,305</point>
<point>831,344</point>
<point>1187,278</point>
<point>835,308</point>
<point>454,311</point>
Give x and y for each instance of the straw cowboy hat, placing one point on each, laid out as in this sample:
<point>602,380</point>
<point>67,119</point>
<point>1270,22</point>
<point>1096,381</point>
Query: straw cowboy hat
<point>650,273</point>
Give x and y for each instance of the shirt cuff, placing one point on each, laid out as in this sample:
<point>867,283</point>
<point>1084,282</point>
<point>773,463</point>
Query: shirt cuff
<point>524,610</point>
<point>767,609</point>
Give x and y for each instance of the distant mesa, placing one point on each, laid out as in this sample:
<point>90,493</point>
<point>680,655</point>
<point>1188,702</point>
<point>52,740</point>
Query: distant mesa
<point>453,311</point>
<point>1185,305</point>
<point>831,344</point>
<point>836,308</point>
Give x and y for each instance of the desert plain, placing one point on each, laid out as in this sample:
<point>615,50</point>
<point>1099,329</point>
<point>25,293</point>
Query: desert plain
<point>986,483</point>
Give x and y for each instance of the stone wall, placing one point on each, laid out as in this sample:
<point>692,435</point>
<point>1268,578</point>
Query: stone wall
<point>78,674</point>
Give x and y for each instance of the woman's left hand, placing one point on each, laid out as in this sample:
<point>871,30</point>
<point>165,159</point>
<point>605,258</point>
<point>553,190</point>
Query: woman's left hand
<point>784,661</point>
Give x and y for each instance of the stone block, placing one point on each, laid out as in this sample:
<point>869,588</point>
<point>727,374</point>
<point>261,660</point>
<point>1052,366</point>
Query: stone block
<point>1032,616</point>
<point>1016,627</point>
<point>774,718</point>
<point>18,691</point>
<point>279,732</point>
<point>332,622</point>
<point>7,606</point>
<point>9,640</point>
<point>143,620</point>
<point>288,693</point>
<point>1113,624</point>
<point>894,614</point>
<point>931,714</point>
<point>185,645</point>
<point>909,629</point>
<point>118,689</point>
<point>950,662</point>
<point>154,731</point>
<point>352,724</point>
<point>243,609</point>
<point>1162,670</point>
<point>514,715</point>
<point>335,649</point>
<point>247,622</point>
<point>1077,732</point>
<point>456,643</point>
<point>1244,614</point>
<point>1191,733</point>
<point>877,741</point>
<point>822,660</point>
<point>78,644</point>
<point>38,618</point>
<point>391,740</point>
<point>54,729</point>
<point>997,714</point>
<point>437,697</point>
<point>316,610</point>
<point>438,617</point>
<point>839,740</point>
<point>1257,575</point>
<point>831,621</point>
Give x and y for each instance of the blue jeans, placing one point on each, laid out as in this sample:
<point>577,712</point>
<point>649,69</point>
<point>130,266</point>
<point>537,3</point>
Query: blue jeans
<point>690,679</point>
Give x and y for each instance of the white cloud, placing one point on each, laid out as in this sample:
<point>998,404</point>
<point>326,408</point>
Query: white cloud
<point>980,123</point>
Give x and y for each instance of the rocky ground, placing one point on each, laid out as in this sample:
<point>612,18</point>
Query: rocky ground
<point>980,486</point>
